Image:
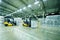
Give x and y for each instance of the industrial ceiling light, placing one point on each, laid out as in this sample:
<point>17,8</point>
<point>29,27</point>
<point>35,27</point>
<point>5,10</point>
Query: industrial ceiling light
<point>36,2</point>
<point>44,0</point>
<point>17,11</point>
<point>52,13</point>
<point>29,5</point>
<point>39,5</point>
<point>0,1</point>
<point>14,12</point>
<point>24,7</point>
<point>20,10</point>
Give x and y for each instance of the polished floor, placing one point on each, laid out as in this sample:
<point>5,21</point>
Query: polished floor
<point>43,32</point>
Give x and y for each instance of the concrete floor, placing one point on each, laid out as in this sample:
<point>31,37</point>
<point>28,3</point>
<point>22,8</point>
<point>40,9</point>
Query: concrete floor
<point>44,32</point>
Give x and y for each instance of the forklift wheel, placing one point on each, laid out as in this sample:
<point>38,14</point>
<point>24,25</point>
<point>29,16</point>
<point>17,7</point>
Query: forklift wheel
<point>6,24</point>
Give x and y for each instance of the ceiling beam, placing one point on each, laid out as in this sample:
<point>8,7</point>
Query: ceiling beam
<point>23,2</point>
<point>10,3</point>
<point>6,7</point>
<point>4,13</point>
<point>5,10</point>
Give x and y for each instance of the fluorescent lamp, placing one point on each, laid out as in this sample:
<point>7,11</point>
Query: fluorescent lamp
<point>39,5</point>
<point>52,13</point>
<point>24,7</point>
<point>0,1</point>
<point>20,10</point>
<point>29,5</point>
<point>14,12</point>
<point>36,2</point>
<point>44,0</point>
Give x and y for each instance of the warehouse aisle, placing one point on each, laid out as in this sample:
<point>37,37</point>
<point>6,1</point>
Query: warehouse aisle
<point>29,19</point>
<point>15,33</point>
<point>23,33</point>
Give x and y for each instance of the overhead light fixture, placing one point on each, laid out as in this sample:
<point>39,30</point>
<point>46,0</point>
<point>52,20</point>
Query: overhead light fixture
<point>0,1</point>
<point>17,11</point>
<point>52,13</point>
<point>29,5</point>
<point>14,12</point>
<point>24,7</point>
<point>39,5</point>
<point>44,0</point>
<point>20,10</point>
<point>41,8</point>
<point>36,2</point>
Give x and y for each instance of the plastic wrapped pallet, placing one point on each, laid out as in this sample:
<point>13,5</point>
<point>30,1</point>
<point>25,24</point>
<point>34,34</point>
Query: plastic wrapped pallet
<point>18,21</point>
<point>53,20</point>
<point>34,23</point>
<point>1,20</point>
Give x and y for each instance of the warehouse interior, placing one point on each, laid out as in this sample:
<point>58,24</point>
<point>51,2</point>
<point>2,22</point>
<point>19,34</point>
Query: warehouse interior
<point>29,19</point>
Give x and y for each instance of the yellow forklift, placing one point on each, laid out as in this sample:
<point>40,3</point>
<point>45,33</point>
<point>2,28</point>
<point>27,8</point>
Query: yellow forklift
<point>9,21</point>
<point>27,22</point>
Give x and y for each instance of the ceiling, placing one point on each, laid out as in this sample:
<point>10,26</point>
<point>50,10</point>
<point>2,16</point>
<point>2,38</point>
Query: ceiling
<point>22,8</point>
